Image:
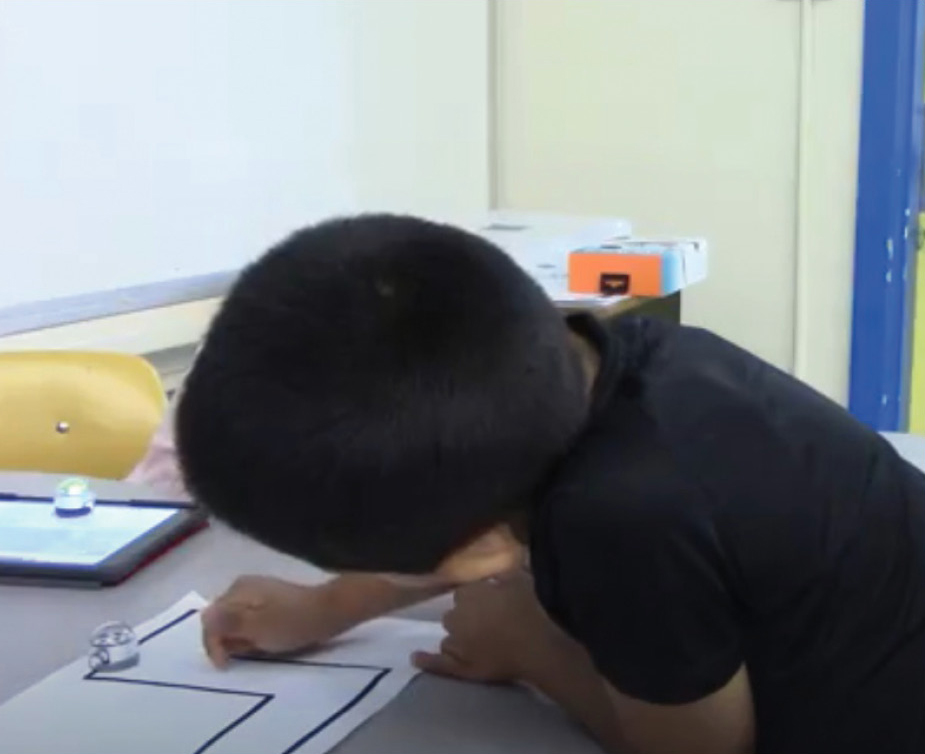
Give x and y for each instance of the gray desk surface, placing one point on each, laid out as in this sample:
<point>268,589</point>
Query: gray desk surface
<point>42,629</point>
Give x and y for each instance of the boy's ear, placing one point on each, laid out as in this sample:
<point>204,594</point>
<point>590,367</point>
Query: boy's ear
<point>492,553</point>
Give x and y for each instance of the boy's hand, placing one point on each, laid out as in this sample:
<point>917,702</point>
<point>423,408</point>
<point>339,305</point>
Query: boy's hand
<point>496,632</point>
<point>263,614</point>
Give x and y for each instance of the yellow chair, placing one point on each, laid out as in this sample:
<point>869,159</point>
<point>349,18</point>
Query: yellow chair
<point>91,414</point>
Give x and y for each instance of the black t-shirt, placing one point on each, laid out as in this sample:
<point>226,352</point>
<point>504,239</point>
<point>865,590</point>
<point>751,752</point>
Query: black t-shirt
<point>716,512</point>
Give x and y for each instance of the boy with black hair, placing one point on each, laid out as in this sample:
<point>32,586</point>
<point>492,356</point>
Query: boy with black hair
<point>724,560</point>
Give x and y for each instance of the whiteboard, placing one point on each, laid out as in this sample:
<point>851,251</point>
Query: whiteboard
<point>150,147</point>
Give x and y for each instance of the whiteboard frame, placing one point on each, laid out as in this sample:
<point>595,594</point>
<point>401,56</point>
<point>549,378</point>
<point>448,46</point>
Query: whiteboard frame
<point>41,315</point>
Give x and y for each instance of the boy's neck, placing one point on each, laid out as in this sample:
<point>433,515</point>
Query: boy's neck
<point>588,356</point>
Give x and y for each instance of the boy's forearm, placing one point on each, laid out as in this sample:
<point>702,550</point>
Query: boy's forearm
<point>568,677</point>
<point>357,598</point>
<point>565,673</point>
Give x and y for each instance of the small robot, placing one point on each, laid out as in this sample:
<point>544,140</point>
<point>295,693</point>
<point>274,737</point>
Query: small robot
<point>73,497</point>
<point>113,647</point>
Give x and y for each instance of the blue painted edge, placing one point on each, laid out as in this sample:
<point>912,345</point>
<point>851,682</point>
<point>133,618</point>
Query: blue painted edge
<point>889,161</point>
<point>41,314</point>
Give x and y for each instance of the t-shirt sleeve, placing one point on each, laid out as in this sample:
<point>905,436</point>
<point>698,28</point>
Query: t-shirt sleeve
<point>645,590</point>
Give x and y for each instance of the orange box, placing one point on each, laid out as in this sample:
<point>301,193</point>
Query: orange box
<point>614,274</point>
<point>637,267</point>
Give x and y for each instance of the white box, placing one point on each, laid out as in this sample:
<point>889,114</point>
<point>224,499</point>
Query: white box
<point>541,243</point>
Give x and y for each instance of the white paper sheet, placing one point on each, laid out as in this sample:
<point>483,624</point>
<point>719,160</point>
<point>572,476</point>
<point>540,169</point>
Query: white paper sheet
<point>175,702</point>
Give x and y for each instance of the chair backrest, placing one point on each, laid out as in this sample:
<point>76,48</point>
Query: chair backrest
<point>83,413</point>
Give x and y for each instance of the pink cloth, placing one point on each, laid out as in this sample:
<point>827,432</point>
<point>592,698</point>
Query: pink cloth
<point>160,468</point>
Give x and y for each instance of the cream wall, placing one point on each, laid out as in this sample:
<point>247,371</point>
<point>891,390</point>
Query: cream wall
<point>684,116</point>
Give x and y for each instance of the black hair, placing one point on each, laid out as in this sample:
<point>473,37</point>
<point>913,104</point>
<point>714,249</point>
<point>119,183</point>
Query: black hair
<point>375,392</point>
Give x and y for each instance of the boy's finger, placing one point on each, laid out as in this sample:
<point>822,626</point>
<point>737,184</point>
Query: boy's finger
<point>440,664</point>
<point>225,619</point>
<point>215,647</point>
<point>219,624</point>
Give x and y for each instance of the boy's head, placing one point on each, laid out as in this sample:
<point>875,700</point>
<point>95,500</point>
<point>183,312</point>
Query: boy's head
<point>376,394</point>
